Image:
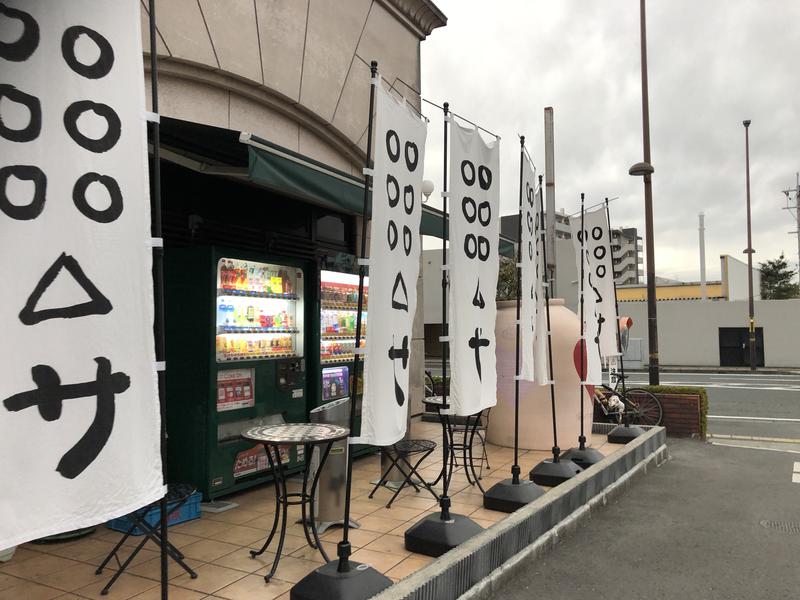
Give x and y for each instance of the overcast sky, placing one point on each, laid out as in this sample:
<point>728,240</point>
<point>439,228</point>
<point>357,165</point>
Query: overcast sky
<point>711,65</point>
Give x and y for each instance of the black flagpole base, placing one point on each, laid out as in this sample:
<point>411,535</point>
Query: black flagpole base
<point>507,496</point>
<point>622,434</point>
<point>327,583</point>
<point>584,458</point>
<point>552,473</point>
<point>433,536</point>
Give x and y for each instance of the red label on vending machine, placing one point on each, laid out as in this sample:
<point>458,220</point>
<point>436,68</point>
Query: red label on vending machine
<point>235,389</point>
<point>250,461</point>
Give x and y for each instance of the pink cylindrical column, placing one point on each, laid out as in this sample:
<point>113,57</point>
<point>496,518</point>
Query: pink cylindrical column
<point>535,421</point>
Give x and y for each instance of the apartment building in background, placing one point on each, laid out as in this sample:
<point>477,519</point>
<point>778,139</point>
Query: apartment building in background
<point>627,246</point>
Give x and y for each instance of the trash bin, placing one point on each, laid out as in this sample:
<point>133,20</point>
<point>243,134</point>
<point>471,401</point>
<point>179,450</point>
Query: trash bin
<point>329,501</point>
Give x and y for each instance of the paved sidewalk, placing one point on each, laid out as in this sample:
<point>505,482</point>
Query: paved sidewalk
<point>217,544</point>
<point>690,529</point>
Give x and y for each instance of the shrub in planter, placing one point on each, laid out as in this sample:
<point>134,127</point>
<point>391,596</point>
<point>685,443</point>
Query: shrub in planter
<point>685,409</point>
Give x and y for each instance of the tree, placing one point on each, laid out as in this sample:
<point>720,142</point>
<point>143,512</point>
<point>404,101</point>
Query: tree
<point>776,280</point>
<point>507,279</point>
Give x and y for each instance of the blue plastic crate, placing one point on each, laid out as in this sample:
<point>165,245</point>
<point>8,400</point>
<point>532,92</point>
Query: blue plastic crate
<point>190,510</point>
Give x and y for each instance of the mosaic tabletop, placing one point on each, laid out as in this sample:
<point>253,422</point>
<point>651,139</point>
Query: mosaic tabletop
<point>297,433</point>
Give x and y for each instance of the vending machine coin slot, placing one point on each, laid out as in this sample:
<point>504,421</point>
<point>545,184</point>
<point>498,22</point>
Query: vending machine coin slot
<point>288,373</point>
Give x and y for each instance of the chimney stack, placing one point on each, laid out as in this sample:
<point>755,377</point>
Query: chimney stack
<point>702,230</point>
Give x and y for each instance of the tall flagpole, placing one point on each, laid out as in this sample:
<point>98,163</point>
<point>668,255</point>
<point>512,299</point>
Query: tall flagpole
<point>515,466</point>
<point>435,534</point>
<point>158,288</point>
<point>343,549</point>
<point>444,500</point>
<point>584,345</point>
<point>616,302</point>
<point>342,578</point>
<point>583,456</point>
<point>510,494</point>
<point>625,432</point>
<point>551,472</point>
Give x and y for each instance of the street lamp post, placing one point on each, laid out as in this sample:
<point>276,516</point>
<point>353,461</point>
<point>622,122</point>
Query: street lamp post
<point>645,170</point>
<point>749,250</point>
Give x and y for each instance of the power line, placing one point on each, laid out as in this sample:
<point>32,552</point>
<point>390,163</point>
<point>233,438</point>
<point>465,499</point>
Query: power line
<point>793,204</point>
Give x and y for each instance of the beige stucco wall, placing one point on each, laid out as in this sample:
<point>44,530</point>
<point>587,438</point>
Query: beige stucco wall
<point>295,72</point>
<point>688,331</point>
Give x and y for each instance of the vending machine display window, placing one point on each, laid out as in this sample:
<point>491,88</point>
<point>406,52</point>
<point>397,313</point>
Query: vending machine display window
<point>257,314</point>
<point>335,383</point>
<point>338,312</point>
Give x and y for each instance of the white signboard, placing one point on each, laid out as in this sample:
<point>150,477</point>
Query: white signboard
<point>474,263</point>
<point>394,267</point>
<point>79,413</point>
<point>533,318</point>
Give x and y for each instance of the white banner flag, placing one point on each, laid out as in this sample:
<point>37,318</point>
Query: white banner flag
<point>394,268</point>
<point>473,268</point>
<point>599,308</point>
<point>601,280</point>
<point>79,412</point>
<point>533,318</point>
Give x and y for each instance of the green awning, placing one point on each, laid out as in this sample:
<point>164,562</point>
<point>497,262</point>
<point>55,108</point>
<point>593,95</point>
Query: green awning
<point>291,173</point>
<point>297,175</point>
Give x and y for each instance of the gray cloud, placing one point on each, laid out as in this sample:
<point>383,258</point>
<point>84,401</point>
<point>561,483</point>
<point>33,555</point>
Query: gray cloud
<point>711,65</point>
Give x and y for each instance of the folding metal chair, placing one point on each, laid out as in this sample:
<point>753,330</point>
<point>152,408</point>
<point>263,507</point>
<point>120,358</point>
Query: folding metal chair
<point>179,493</point>
<point>400,452</point>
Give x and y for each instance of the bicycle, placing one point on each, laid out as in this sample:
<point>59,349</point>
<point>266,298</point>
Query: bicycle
<point>640,406</point>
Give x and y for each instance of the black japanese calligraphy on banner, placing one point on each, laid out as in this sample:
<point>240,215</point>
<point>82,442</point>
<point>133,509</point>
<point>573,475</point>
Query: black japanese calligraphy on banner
<point>592,246</point>
<point>393,269</point>
<point>533,321</point>
<point>473,267</point>
<point>78,396</point>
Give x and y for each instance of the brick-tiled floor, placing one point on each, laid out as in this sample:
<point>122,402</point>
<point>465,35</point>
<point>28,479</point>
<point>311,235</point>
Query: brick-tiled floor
<point>217,545</point>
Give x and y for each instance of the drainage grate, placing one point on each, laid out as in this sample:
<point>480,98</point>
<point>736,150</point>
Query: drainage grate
<point>782,526</point>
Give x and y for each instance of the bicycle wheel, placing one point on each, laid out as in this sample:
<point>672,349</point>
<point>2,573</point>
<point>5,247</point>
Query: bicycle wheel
<point>644,407</point>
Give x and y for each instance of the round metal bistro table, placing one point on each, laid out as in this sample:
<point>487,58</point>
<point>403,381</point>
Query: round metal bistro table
<point>436,403</point>
<point>294,434</point>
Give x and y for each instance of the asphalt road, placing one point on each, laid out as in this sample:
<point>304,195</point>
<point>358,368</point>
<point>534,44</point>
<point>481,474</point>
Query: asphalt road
<point>690,529</point>
<point>743,405</point>
<point>764,406</point>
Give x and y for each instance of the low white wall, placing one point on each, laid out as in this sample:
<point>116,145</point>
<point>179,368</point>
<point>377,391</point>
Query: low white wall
<point>688,331</point>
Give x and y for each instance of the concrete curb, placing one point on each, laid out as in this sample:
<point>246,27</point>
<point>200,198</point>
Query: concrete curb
<point>533,529</point>
<point>489,586</point>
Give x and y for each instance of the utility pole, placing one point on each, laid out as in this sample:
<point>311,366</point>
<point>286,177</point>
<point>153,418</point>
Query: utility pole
<point>796,208</point>
<point>645,170</point>
<point>749,251</point>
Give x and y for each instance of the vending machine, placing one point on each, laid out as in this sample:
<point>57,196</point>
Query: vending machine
<point>337,329</point>
<point>236,343</point>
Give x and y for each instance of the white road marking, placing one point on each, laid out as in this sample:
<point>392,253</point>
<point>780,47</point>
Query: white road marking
<point>779,377</point>
<point>729,386</point>
<point>737,418</point>
<point>795,477</point>
<point>753,438</point>
<point>784,376</point>
<point>754,447</point>
<point>797,466</point>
